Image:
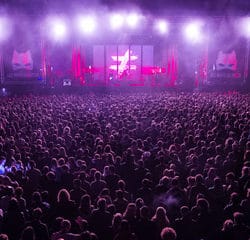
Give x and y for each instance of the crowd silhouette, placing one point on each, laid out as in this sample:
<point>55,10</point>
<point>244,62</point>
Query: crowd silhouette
<point>160,166</point>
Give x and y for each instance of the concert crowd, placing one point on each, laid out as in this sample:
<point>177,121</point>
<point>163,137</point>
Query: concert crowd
<point>159,166</point>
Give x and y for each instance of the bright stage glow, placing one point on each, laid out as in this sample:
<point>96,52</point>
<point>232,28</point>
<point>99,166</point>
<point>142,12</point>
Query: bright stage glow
<point>5,28</point>
<point>132,20</point>
<point>86,25</point>
<point>193,32</point>
<point>57,29</point>
<point>245,27</point>
<point>161,26</point>
<point>116,21</point>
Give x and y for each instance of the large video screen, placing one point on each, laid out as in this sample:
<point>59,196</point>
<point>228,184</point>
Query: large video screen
<point>226,61</point>
<point>117,64</point>
<point>22,56</point>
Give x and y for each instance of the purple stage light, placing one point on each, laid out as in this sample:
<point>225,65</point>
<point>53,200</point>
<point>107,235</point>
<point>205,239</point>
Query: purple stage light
<point>132,20</point>
<point>5,28</point>
<point>86,24</point>
<point>57,28</point>
<point>116,21</point>
<point>245,27</point>
<point>161,26</point>
<point>193,32</point>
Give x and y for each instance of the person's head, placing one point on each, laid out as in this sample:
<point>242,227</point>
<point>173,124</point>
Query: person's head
<point>168,233</point>
<point>13,205</point>
<point>66,130</point>
<point>9,191</point>
<point>185,211</point>
<point>139,202</point>
<point>4,236</point>
<point>175,181</point>
<point>117,219</point>
<point>164,181</point>
<point>51,176</point>
<point>65,226</point>
<point>234,198</point>
<point>230,177</point>
<point>238,218</point>
<point>107,149</point>
<point>198,179</point>
<point>101,203</point>
<point>217,182</point>
<point>85,200</point>
<point>203,205</point>
<point>227,225</point>
<point>105,192</point>
<point>28,233</point>
<point>111,209</point>
<point>111,169</point>
<point>57,224</point>
<point>19,192</point>
<point>119,194</point>
<point>37,213</point>
<point>97,176</point>
<point>211,172</point>
<point>87,235</point>
<point>144,212</point>
<point>245,171</point>
<point>36,197</point>
<point>246,155</point>
<point>45,196</point>
<point>121,184</point>
<point>124,226</point>
<point>77,183</point>
<point>63,196</point>
<point>160,213</point>
<point>106,171</point>
<point>130,210</point>
<point>32,164</point>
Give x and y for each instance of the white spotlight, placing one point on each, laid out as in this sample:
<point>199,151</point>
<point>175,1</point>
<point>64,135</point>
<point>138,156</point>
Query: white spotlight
<point>57,29</point>
<point>245,27</point>
<point>161,26</point>
<point>5,28</point>
<point>86,25</point>
<point>193,32</point>
<point>132,20</point>
<point>116,21</point>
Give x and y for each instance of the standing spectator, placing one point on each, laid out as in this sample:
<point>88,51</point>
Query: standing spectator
<point>101,220</point>
<point>64,206</point>
<point>161,220</point>
<point>13,220</point>
<point>145,228</point>
<point>40,228</point>
<point>64,232</point>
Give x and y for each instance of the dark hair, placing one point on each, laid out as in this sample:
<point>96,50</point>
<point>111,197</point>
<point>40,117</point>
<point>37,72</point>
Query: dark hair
<point>28,233</point>
<point>63,195</point>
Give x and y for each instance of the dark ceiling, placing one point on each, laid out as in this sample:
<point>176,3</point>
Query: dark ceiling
<point>154,6</point>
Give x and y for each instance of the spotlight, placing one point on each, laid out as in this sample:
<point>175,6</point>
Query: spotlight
<point>3,92</point>
<point>86,25</point>
<point>161,26</point>
<point>132,20</point>
<point>193,32</point>
<point>57,29</point>
<point>5,28</point>
<point>116,21</point>
<point>245,27</point>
